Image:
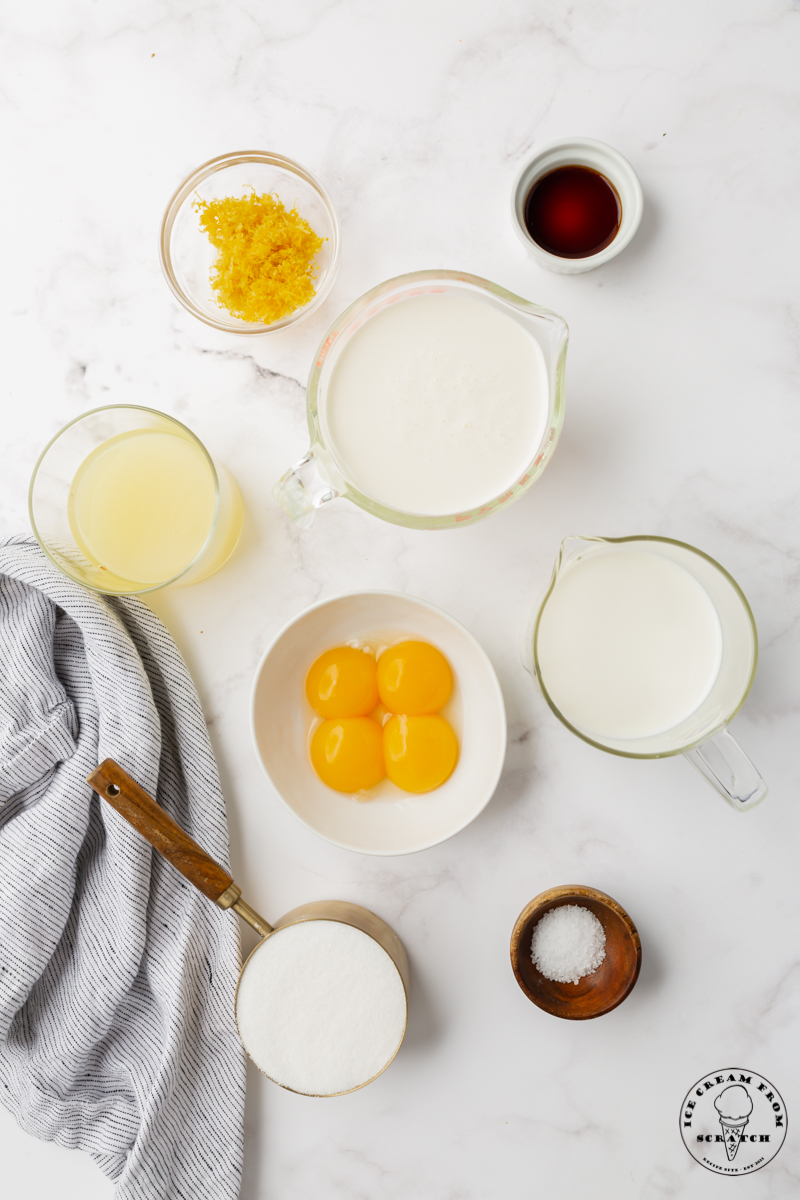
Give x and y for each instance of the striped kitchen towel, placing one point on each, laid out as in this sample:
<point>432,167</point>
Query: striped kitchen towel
<point>117,978</point>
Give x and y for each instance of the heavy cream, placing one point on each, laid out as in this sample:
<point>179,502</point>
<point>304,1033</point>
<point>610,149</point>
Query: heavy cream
<point>437,404</point>
<point>629,644</point>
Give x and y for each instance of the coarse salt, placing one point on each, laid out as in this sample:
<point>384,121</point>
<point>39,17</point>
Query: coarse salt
<point>321,1007</point>
<point>568,943</point>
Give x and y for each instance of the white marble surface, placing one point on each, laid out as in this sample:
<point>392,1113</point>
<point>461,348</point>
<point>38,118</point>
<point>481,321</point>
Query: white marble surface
<point>683,417</point>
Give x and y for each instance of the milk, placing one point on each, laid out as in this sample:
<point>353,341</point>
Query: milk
<point>629,644</point>
<point>437,404</point>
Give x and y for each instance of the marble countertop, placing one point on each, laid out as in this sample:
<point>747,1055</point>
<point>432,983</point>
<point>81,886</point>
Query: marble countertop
<point>683,419</point>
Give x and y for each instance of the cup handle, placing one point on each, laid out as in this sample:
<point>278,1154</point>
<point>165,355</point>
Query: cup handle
<point>723,763</point>
<point>157,827</point>
<point>166,836</point>
<point>304,487</point>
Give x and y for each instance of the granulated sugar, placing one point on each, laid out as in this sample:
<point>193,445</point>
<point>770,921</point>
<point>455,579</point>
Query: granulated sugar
<point>568,943</point>
<point>321,1007</point>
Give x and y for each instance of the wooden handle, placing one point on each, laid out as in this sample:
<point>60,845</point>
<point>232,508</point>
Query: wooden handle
<point>157,826</point>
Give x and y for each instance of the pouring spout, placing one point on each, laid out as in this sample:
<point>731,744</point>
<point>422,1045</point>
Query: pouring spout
<point>573,546</point>
<point>251,916</point>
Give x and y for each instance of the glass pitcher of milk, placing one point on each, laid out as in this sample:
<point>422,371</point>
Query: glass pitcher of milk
<point>646,647</point>
<point>435,400</point>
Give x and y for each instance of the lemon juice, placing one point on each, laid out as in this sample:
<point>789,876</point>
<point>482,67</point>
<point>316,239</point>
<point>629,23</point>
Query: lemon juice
<point>142,507</point>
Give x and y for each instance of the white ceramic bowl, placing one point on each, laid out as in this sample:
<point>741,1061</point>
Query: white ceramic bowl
<point>395,822</point>
<point>580,152</point>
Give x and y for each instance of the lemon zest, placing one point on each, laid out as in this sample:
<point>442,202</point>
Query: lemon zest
<point>265,266</point>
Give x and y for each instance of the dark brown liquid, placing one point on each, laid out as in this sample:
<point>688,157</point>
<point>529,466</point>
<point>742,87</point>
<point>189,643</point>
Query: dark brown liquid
<point>573,212</point>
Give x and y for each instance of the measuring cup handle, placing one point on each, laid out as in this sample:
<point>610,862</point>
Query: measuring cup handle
<point>305,486</point>
<point>158,828</point>
<point>723,763</point>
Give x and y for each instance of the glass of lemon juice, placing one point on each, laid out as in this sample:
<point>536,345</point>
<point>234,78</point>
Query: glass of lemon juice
<point>126,500</point>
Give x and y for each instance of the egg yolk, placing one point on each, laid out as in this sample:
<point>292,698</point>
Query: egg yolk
<point>421,752</point>
<point>342,683</point>
<point>347,753</point>
<point>414,678</point>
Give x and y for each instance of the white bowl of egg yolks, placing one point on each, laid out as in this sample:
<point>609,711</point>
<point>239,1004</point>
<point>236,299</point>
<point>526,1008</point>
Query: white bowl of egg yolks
<point>394,821</point>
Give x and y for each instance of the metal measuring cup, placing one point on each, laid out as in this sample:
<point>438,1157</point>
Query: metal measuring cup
<point>141,811</point>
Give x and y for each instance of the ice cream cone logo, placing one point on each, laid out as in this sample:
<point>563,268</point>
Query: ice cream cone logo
<point>734,1106</point>
<point>733,1121</point>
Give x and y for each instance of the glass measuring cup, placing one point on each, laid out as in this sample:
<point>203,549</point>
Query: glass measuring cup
<point>157,827</point>
<point>320,475</point>
<point>701,736</point>
<point>67,453</point>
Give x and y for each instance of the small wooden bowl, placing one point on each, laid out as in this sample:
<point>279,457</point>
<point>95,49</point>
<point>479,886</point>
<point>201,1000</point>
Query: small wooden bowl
<point>595,994</point>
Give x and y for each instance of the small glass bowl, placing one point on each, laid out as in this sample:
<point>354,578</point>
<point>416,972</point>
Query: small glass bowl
<point>187,255</point>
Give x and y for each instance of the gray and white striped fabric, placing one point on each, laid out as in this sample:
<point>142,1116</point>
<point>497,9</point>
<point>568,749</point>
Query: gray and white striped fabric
<point>117,978</point>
